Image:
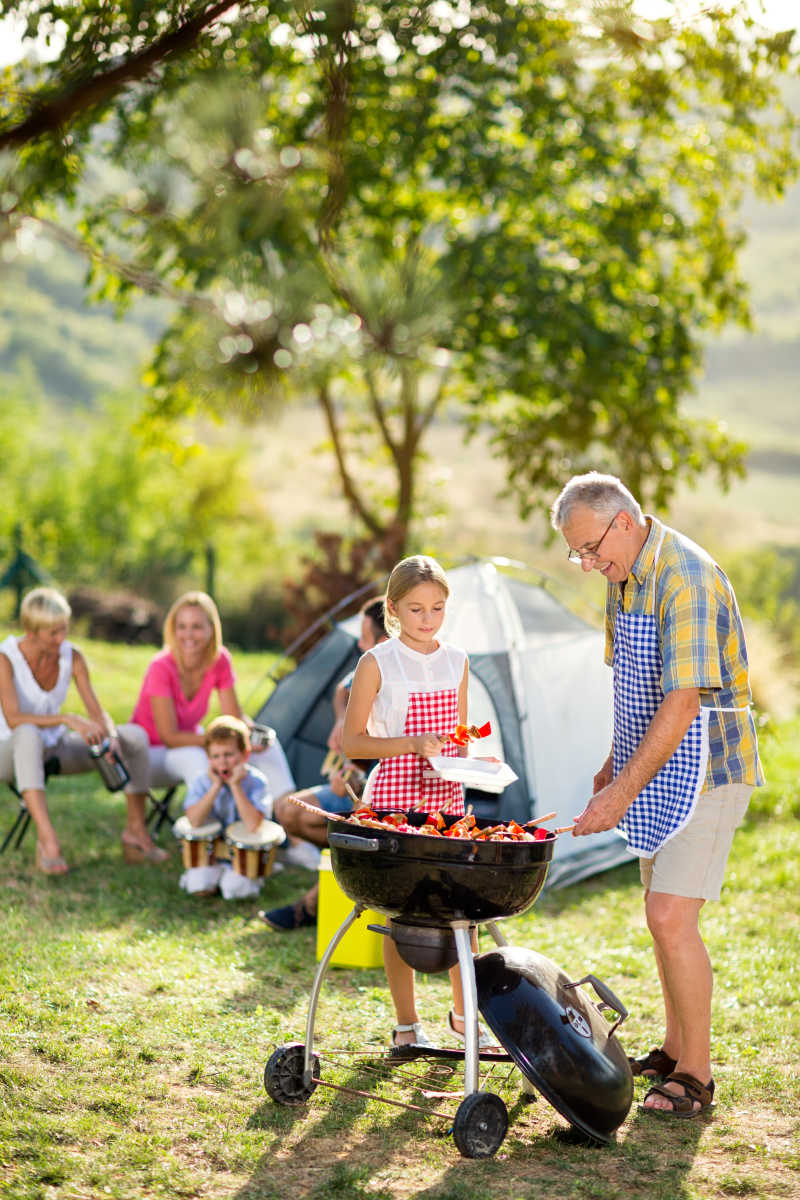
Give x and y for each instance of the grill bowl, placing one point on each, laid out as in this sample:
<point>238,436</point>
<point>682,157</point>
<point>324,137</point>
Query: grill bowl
<point>432,881</point>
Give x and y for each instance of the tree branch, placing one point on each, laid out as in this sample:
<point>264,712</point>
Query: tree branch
<point>146,281</point>
<point>56,113</point>
<point>351,493</point>
<point>379,414</point>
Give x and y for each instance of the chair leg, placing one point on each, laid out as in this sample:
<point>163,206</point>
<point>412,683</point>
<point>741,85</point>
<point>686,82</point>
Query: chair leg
<point>159,814</point>
<point>21,825</point>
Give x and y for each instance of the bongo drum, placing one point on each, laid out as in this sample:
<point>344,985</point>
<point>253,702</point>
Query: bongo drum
<point>197,841</point>
<point>252,853</point>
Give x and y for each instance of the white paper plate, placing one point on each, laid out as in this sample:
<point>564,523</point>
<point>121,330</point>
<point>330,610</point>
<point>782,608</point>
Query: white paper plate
<point>472,772</point>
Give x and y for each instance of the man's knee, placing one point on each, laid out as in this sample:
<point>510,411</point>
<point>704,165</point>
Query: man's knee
<point>670,917</point>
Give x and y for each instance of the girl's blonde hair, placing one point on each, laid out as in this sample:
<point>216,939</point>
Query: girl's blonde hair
<point>43,608</point>
<point>408,574</point>
<point>204,602</point>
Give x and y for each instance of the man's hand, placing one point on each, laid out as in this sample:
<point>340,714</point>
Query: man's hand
<point>604,811</point>
<point>604,776</point>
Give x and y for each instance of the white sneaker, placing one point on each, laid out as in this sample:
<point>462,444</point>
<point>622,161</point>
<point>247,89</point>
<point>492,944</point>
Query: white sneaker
<point>301,854</point>
<point>234,886</point>
<point>202,880</point>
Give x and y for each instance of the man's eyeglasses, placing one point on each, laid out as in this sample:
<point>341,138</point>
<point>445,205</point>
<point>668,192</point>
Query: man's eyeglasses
<point>590,553</point>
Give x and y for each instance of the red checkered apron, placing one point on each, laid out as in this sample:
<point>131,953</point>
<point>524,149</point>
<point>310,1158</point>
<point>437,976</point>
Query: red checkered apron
<point>399,783</point>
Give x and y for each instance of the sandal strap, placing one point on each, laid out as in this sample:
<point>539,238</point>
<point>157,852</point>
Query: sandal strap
<point>656,1060</point>
<point>694,1091</point>
<point>485,1039</point>
<point>420,1037</point>
<point>702,1092</point>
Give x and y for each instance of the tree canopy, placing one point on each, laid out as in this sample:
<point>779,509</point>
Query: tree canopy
<point>523,210</point>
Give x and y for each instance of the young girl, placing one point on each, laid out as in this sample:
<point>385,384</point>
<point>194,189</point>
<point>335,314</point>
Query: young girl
<point>408,694</point>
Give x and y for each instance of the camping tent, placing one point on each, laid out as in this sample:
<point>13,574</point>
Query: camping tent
<point>536,672</point>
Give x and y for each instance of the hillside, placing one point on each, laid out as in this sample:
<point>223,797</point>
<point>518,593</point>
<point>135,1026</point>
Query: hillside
<point>53,340</point>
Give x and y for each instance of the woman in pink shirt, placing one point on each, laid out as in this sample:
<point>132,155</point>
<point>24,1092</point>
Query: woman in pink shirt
<point>176,693</point>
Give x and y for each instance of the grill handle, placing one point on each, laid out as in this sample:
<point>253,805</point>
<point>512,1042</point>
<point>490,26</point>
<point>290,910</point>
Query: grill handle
<point>351,841</point>
<point>607,997</point>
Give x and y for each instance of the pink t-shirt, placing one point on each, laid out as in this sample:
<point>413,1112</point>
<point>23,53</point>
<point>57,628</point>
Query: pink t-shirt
<point>162,679</point>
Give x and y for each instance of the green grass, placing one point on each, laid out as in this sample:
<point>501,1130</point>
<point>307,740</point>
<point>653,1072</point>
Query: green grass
<point>135,1023</point>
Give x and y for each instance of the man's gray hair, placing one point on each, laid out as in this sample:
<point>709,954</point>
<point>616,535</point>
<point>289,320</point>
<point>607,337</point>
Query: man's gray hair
<point>604,494</point>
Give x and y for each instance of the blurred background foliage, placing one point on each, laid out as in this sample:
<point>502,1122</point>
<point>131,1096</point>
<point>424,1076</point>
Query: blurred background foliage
<point>336,241</point>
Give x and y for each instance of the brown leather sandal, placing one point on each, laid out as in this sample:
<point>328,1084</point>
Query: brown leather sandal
<point>656,1064</point>
<point>695,1093</point>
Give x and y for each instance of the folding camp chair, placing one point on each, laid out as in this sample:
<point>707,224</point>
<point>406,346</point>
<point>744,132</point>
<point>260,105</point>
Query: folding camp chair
<point>20,827</point>
<point>159,813</point>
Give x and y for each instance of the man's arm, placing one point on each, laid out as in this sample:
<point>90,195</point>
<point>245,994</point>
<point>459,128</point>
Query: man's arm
<point>664,734</point>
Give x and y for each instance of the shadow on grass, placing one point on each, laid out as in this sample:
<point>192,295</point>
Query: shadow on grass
<point>348,1149</point>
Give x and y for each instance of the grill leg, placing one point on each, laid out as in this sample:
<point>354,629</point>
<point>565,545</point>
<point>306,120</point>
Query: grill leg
<point>469,987</point>
<point>316,988</point>
<point>499,938</point>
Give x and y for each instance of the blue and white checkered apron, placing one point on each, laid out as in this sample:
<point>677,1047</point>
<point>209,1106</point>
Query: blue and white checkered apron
<point>667,802</point>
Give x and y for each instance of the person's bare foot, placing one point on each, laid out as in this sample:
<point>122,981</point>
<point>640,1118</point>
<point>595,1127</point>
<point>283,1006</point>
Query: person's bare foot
<point>49,859</point>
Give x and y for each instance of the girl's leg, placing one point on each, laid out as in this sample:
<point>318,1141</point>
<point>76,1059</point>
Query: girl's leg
<point>486,1041</point>
<point>400,977</point>
<point>457,1019</point>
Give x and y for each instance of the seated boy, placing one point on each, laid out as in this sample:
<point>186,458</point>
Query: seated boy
<point>231,790</point>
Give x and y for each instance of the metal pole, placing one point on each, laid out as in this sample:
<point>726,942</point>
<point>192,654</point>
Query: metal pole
<point>469,988</point>
<point>316,988</point>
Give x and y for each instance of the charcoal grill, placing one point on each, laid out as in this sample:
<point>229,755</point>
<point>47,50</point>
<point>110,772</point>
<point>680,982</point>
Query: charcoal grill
<point>435,891</point>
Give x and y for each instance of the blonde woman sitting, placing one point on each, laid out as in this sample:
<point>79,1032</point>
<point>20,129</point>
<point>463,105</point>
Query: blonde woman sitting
<point>35,674</point>
<point>176,694</point>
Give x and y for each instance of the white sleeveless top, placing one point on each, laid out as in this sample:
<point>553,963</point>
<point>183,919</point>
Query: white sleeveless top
<point>404,671</point>
<point>32,698</point>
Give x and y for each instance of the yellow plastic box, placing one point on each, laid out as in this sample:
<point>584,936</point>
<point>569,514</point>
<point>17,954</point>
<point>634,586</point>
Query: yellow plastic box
<point>360,947</point>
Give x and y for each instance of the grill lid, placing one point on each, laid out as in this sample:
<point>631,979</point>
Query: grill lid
<point>557,1036</point>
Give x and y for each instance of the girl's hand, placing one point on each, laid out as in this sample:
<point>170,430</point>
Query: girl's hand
<point>92,732</point>
<point>426,745</point>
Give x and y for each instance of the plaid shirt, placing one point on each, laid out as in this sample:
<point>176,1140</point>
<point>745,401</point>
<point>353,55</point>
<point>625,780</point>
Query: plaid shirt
<point>701,641</point>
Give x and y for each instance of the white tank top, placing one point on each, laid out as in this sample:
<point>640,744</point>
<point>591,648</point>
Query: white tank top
<point>32,698</point>
<point>403,671</point>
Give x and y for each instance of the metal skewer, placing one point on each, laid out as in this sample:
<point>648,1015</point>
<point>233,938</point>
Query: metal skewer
<point>356,799</point>
<point>539,820</point>
<point>312,808</point>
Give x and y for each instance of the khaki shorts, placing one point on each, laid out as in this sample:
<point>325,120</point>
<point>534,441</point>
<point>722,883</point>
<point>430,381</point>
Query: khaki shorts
<point>692,863</point>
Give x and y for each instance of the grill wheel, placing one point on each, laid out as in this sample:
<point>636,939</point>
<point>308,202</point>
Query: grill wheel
<point>480,1125</point>
<point>283,1075</point>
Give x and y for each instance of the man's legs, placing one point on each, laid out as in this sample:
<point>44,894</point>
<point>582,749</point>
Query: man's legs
<point>684,969</point>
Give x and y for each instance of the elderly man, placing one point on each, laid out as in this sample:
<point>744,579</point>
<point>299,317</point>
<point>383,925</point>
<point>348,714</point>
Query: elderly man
<point>684,757</point>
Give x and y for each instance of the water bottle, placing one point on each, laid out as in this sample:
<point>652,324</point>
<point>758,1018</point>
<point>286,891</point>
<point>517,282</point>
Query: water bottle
<point>261,736</point>
<point>112,769</point>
